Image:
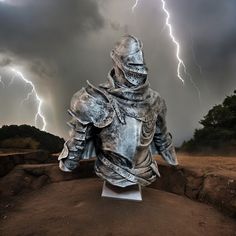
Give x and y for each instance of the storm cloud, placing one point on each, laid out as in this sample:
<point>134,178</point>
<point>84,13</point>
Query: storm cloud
<point>39,28</point>
<point>60,44</point>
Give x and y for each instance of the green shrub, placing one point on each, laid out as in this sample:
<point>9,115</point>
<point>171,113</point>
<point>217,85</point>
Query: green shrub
<point>219,129</point>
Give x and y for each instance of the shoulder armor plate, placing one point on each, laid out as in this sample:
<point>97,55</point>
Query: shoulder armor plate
<point>90,105</point>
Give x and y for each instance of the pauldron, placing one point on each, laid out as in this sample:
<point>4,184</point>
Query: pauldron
<point>91,106</point>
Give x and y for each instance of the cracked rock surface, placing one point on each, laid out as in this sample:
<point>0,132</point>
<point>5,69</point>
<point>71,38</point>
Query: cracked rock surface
<point>206,179</point>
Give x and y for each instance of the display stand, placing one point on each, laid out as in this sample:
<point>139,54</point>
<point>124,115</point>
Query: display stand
<point>132,193</point>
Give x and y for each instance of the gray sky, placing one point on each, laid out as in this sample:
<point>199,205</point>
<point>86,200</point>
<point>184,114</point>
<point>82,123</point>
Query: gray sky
<point>59,44</point>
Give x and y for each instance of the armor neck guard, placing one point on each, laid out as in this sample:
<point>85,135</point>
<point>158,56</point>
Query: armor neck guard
<point>135,93</point>
<point>137,102</point>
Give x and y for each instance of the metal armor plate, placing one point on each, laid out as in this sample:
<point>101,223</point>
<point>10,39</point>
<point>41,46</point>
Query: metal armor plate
<point>130,140</point>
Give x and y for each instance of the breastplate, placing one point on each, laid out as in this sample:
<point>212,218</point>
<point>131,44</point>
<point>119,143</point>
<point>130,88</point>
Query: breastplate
<point>130,140</point>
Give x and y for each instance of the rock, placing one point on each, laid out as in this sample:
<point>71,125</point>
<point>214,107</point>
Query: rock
<point>171,180</point>
<point>9,160</point>
<point>34,176</point>
<point>220,190</point>
<point>194,180</point>
<point>6,165</point>
<point>39,156</point>
<point>14,182</point>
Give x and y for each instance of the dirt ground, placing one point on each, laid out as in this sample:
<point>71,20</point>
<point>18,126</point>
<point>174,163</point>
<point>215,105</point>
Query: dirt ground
<point>68,206</point>
<point>211,163</point>
<point>76,208</point>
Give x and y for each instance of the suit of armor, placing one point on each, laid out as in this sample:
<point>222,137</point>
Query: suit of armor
<point>122,122</point>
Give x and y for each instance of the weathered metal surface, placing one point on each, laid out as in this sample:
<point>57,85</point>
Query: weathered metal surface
<point>122,122</point>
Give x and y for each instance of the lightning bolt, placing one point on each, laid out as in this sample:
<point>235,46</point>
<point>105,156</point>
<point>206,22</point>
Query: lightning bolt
<point>135,5</point>
<point>180,65</point>
<point>180,61</point>
<point>33,92</point>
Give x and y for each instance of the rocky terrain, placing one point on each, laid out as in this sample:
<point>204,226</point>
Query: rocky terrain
<point>9,159</point>
<point>209,179</point>
<point>196,198</point>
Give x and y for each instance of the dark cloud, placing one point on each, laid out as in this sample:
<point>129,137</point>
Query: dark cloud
<point>212,28</point>
<point>39,28</point>
<point>4,61</point>
<point>61,44</point>
<point>45,37</point>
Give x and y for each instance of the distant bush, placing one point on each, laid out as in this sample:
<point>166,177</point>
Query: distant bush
<point>219,130</point>
<point>25,136</point>
<point>19,142</point>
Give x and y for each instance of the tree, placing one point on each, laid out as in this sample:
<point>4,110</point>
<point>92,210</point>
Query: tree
<point>219,129</point>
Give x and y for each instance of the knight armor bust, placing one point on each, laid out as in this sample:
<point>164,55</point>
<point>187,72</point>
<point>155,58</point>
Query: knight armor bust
<point>122,122</point>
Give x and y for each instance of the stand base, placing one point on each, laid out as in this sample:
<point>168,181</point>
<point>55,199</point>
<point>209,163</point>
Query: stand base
<point>132,192</point>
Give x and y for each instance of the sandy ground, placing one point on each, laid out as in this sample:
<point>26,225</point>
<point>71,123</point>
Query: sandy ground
<point>206,162</point>
<point>76,208</point>
<point>184,159</point>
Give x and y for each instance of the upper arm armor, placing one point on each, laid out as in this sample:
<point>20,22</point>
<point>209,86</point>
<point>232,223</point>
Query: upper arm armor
<point>162,140</point>
<point>90,105</point>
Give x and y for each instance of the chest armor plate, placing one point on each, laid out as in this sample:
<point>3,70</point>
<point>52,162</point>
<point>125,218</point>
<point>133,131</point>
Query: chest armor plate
<point>130,140</point>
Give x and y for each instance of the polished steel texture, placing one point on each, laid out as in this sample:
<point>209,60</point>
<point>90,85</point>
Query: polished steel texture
<point>122,122</point>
